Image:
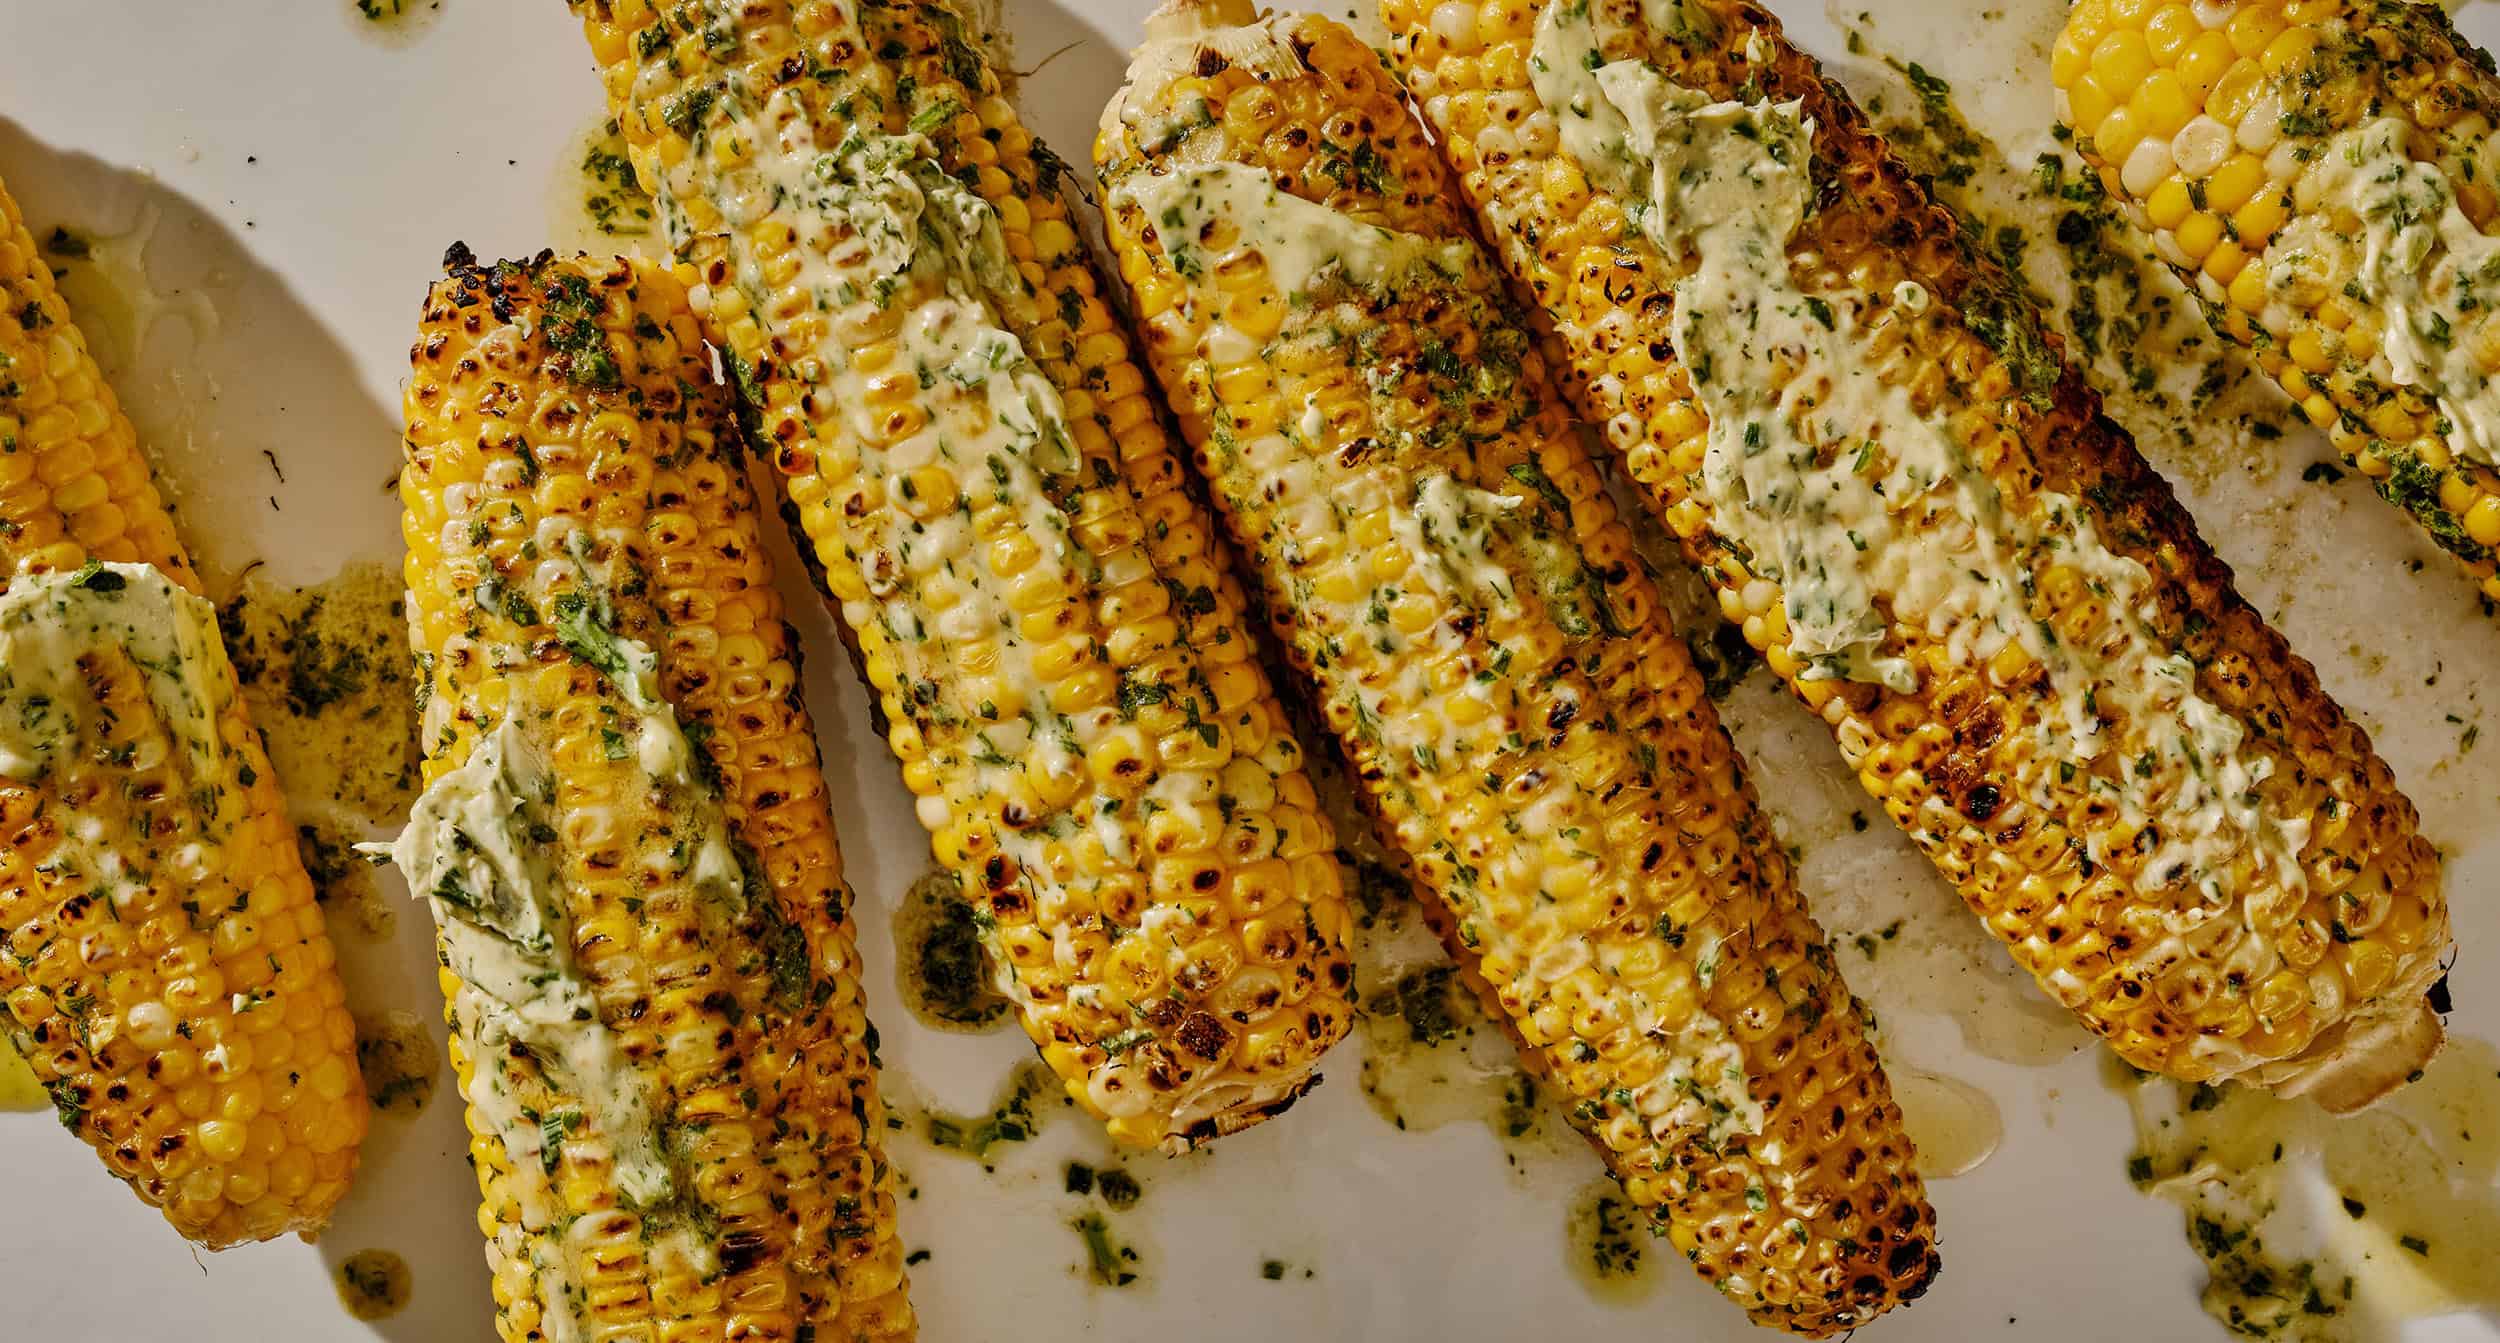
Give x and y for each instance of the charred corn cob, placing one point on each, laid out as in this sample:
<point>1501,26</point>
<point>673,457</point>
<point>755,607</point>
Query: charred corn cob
<point>1443,563</point>
<point>653,990</point>
<point>1853,424</point>
<point>162,964</point>
<point>973,459</point>
<point>2319,171</point>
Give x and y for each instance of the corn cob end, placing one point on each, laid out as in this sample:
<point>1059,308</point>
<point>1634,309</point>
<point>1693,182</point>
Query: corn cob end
<point>2369,1061</point>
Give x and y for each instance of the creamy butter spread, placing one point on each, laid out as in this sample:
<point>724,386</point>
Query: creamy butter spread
<point>2417,256</point>
<point>482,849</point>
<point>879,224</point>
<point>119,620</point>
<point>1298,240</point>
<point>53,625</point>
<point>1471,549</point>
<point>1871,514</point>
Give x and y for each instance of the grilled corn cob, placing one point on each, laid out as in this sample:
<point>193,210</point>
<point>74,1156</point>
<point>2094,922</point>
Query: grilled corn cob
<point>1853,424</point>
<point>973,459</point>
<point>652,985</point>
<point>2319,172</point>
<point>1444,564</point>
<point>162,964</point>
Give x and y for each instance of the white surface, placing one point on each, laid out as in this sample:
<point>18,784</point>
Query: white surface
<point>308,178</point>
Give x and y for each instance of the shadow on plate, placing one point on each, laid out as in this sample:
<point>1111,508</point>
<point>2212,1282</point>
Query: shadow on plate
<point>256,417</point>
<point>271,450</point>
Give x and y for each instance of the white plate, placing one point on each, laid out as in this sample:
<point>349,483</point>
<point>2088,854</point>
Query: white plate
<point>306,177</point>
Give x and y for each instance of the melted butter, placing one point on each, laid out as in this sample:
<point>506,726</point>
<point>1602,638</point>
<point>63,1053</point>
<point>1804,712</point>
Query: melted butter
<point>105,279</point>
<point>153,343</point>
<point>394,23</point>
<point>396,1056</point>
<point>146,338</point>
<point>1023,1107</point>
<point>1611,1251</point>
<point>1111,1260</point>
<point>343,884</point>
<point>1858,502</point>
<point>325,670</point>
<point>20,1089</point>
<point>593,202</point>
<point>1942,961</point>
<point>374,1284</point>
<point>2417,256</point>
<point>940,967</point>
<point>1431,1054</point>
<point>2314,1227</point>
<point>1955,1125</point>
<point>1431,1058</point>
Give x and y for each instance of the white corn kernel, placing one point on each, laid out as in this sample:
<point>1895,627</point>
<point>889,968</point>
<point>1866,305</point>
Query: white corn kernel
<point>2262,127</point>
<point>1455,24</point>
<point>2214,13</point>
<point>2201,146</point>
<point>2147,165</point>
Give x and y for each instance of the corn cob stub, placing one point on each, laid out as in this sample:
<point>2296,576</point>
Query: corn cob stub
<point>974,462</point>
<point>1846,415</point>
<point>625,838</point>
<point>163,965</point>
<point>1440,555</point>
<point>2320,173</point>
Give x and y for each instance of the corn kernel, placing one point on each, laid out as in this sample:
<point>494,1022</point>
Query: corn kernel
<point>2160,105</point>
<point>2121,60</point>
<point>2169,205</point>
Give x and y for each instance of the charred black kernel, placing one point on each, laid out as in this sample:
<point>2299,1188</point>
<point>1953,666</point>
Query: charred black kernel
<point>1203,1036</point>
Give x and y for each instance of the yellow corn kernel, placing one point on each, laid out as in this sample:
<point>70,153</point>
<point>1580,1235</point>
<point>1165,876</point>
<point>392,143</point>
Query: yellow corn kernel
<point>2256,222</point>
<point>2122,60</point>
<point>2197,234</point>
<point>2161,107</point>
<point>2088,103</point>
<point>2234,183</point>
<point>2202,65</point>
<point>2482,520</point>
<point>2235,84</point>
<point>2169,205</point>
<point>2253,28</point>
<point>2118,134</point>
